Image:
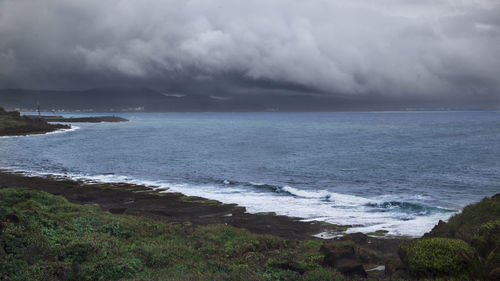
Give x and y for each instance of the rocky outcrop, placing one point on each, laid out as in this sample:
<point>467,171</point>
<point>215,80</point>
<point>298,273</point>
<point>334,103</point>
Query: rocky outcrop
<point>344,259</point>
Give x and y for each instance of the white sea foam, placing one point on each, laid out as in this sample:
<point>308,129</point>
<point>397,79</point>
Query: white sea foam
<point>337,198</point>
<point>351,211</point>
<point>73,128</point>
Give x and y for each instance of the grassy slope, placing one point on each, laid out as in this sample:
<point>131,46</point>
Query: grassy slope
<point>52,239</point>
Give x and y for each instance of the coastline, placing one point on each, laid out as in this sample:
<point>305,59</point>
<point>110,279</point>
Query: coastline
<point>41,133</point>
<point>371,255</point>
<point>14,124</point>
<point>368,256</point>
<point>354,255</point>
<point>142,201</point>
<point>39,129</point>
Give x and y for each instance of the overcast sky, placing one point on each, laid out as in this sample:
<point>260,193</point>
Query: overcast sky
<point>394,48</point>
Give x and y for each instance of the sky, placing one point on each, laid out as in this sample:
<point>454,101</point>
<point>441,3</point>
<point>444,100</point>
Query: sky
<point>443,50</point>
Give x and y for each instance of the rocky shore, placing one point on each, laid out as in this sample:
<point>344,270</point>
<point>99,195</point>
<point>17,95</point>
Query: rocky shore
<point>118,198</point>
<point>465,248</point>
<point>353,255</point>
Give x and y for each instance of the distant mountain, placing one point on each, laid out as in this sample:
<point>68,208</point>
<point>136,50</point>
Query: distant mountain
<point>94,99</point>
<point>144,99</point>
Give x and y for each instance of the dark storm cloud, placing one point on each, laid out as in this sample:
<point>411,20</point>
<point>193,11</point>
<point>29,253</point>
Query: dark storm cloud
<point>395,48</point>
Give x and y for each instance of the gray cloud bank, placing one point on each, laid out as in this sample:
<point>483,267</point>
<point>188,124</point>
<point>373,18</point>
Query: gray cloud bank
<point>448,49</point>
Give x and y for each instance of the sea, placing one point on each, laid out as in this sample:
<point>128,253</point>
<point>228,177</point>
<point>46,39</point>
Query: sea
<point>400,172</point>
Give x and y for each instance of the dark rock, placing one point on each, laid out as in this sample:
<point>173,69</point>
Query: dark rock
<point>117,210</point>
<point>441,229</point>
<point>393,265</point>
<point>288,265</point>
<point>494,275</point>
<point>367,255</point>
<point>358,238</point>
<point>334,254</point>
<point>351,267</point>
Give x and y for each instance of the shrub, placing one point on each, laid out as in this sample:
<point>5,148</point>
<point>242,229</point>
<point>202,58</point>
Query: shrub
<point>435,257</point>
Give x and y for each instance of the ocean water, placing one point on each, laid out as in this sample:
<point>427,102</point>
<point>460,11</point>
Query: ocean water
<point>397,171</point>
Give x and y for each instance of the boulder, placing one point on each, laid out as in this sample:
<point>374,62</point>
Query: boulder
<point>334,254</point>
<point>393,265</point>
<point>351,267</point>
<point>366,255</point>
<point>358,238</point>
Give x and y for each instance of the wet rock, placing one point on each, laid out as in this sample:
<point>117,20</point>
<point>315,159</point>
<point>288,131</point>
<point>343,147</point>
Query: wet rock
<point>351,267</point>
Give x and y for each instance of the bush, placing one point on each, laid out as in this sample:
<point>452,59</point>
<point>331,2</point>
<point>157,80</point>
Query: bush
<point>435,257</point>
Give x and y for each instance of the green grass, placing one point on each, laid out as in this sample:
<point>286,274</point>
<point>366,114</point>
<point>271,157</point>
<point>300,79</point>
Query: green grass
<point>51,239</point>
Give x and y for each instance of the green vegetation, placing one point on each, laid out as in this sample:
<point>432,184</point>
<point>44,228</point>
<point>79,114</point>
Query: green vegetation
<point>470,241</point>
<point>12,123</point>
<point>479,225</point>
<point>10,119</point>
<point>51,239</point>
<point>472,222</point>
<point>435,257</point>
